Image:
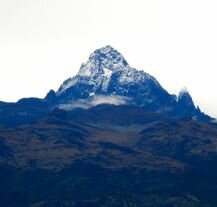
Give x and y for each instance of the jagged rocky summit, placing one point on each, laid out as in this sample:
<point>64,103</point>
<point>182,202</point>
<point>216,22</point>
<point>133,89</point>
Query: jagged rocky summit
<point>107,73</point>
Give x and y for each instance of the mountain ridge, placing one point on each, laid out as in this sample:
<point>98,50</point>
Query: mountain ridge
<point>106,77</point>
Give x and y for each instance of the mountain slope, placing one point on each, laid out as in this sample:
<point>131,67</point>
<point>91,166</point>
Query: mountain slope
<point>127,157</point>
<point>24,111</point>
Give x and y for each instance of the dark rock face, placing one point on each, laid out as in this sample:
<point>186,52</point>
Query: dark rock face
<point>51,97</point>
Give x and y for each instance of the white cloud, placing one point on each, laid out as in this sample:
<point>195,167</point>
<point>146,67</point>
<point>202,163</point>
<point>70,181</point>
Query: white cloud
<point>94,101</point>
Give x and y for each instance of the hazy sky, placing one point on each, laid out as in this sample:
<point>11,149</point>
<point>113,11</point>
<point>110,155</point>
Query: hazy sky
<point>44,42</point>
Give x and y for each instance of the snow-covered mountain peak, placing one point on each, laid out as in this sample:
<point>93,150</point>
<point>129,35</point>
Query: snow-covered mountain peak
<point>185,98</point>
<point>184,90</point>
<point>108,55</point>
<point>103,65</point>
<point>183,93</point>
<point>101,60</point>
<point>107,74</point>
<point>105,50</point>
